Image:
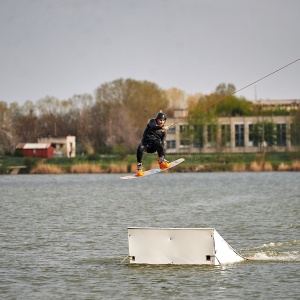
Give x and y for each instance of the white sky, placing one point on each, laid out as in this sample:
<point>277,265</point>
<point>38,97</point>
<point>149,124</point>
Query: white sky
<point>64,47</point>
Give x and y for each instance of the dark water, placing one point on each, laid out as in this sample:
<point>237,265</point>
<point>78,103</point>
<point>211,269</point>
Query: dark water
<point>65,236</point>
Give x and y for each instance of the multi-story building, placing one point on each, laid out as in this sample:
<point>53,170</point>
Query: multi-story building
<point>281,104</point>
<point>235,134</point>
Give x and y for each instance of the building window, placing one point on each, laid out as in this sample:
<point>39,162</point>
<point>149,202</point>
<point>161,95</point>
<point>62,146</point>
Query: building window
<point>281,134</point>
<point>198,136</point>
<point>269,133</point>
<point>171,144</point>
<point>239,135</point>
<point>172,129</point>
<point>211,135</point>
<point>254,135</point>
<point>185,138</point>
<point>183,128</point>
<point>225,136</point>
<point>185,143</point>
<point>251,136</point>
<point>295,135</point>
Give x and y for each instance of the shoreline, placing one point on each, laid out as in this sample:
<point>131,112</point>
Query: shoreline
<point>113,164</point>
<point>123,168</point>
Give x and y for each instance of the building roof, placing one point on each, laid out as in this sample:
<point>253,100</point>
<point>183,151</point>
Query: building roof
<point>281,103</point>
<point>33,146</point>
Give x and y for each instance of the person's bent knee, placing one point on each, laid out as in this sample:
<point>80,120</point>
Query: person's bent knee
<point>141,148</point>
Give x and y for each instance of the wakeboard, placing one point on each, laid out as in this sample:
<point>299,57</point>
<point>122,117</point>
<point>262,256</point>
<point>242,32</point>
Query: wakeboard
<point>155,171</point>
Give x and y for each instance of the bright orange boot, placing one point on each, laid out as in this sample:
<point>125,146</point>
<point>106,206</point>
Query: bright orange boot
<point>139,170</point>
<point>163,163</point>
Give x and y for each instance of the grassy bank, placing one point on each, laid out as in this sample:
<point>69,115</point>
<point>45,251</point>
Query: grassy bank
<point>244,162</point>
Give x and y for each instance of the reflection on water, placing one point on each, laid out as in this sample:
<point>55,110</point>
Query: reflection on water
<point>65,236</point>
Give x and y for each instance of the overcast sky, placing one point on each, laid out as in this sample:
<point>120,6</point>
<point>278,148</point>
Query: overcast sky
<point>64,47</point>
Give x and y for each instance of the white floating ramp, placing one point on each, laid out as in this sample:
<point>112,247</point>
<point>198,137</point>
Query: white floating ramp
<point>181,246</point>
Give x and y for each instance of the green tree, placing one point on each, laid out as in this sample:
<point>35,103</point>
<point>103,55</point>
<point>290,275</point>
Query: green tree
<point>224,90</point>
<point>233,106</point>
<point>263,134</point>
<point>295,128</point>
<point>201,123</point>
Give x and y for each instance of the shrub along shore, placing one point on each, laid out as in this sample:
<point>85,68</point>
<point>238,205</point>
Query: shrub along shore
<point>202,162</point>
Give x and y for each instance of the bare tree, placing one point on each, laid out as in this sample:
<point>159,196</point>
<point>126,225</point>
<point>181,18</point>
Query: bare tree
<point>177,99</point>
<point>7,134</point>
<point>123,107</point>
<point>143,100</point>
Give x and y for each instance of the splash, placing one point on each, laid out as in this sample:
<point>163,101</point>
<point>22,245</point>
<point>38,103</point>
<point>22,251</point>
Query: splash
<point>275,245</point>
<point>286,256</point>
<point>280,251</point>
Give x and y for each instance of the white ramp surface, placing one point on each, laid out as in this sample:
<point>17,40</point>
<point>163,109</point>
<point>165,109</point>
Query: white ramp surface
<point>199,246</point>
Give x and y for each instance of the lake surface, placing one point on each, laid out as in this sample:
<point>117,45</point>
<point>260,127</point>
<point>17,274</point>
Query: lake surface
<point>65,236</point>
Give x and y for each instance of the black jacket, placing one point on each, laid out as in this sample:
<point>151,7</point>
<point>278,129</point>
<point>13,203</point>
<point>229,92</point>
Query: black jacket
<point>153,132</point>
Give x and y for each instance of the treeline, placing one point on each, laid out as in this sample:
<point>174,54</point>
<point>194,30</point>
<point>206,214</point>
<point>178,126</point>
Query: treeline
<point>111,121</point>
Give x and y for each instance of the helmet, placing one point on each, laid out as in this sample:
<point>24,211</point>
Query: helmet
<point>161,115</point>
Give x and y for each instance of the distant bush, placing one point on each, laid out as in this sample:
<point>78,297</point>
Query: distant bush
<point>47,169</point>
<point>93,157</point>
<point>117,168</point>
<point>255,167</point>
<point>267,167</point>
<point>85,169</point>
<point>239,167</point>
<point>284,167</point>
<point>121,151</point>
<point>30,163</point>
<point>296,166</point>
<point>18,153</point>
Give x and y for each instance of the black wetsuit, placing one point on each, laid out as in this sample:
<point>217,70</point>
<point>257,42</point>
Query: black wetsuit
<point>153,140</point>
